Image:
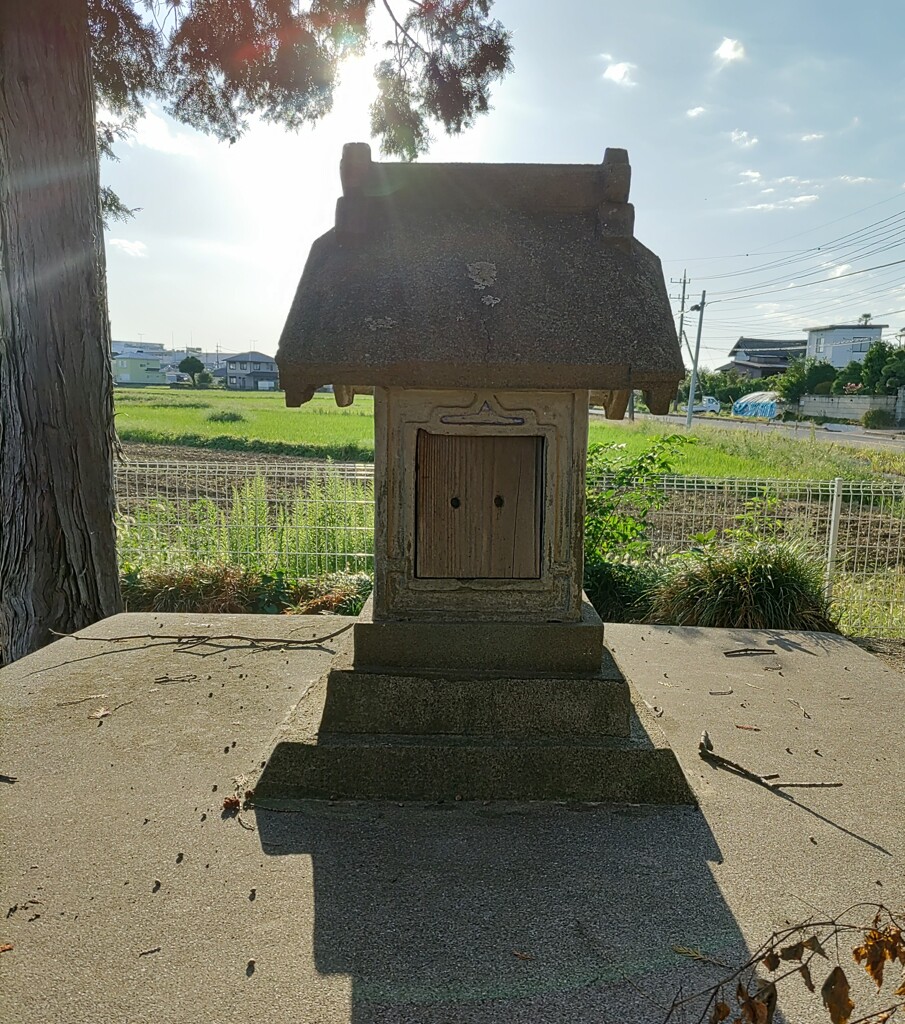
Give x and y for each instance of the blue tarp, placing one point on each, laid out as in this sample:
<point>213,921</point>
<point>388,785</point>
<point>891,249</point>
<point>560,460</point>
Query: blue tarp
<point>759,403</point>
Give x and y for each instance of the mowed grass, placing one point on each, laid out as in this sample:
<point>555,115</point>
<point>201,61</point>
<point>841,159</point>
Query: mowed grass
<point>321,430</point>
<point>317,430</point>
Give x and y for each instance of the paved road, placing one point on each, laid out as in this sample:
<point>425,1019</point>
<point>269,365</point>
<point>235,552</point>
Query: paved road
<point>854,436</point>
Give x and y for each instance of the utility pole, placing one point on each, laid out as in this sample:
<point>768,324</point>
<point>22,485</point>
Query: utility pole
<point>684,282</point>
<point>697,353</point>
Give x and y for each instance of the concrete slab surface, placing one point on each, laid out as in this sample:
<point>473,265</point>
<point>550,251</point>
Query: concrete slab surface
<point>128,897</point>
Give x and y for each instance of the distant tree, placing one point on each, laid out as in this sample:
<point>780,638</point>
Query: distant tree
<point>204,379</point>
<point>872,376</point>
<point>865,319</point>
<point>802,377</point>
<point>214,64</point>
<point>848,379</point>
<point>191,365</point>
<point>894,371</point>
<point>725,385</point>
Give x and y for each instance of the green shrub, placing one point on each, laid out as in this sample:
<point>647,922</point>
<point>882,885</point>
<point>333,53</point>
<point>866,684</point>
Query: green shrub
<point>755,586</point>
<point>878,419</point>
<point>621,591</point>
<point>226,416</point>
<point>823,387</point>
<point>220,588</point>
<point>617,510</point>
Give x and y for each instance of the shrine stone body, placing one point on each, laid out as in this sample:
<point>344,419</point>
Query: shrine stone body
<point>482,305</point>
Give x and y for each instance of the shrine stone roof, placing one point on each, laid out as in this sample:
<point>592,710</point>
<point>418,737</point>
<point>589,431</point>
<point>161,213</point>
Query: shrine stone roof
<point>480,275</point>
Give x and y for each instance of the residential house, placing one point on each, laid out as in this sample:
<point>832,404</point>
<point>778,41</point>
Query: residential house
<point>755,358</point>
<point>251,371</point>
<point>136,363</point>
<point>840,344</point>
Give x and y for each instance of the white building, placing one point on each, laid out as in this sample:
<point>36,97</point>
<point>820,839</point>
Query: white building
<point>839,344</point>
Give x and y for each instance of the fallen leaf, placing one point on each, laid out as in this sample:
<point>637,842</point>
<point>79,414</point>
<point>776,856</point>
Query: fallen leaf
<point>522,956</point>
<point>6,947</point>
<point>100,712</point>
<point>878,947</point>
<point>749,728</point>
<point>835,994</point>
<point>771,961</point>
<point>231,804</point>
<point>720,1012</point>
<point>793,952</point>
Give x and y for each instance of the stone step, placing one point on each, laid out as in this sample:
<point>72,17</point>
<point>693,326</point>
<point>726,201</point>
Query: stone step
<point>640,768</point>
<point>474,705</point>
<point>504,648</point>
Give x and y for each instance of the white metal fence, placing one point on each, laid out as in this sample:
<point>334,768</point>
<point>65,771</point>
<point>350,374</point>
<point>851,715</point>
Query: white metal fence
<point>309,518</point>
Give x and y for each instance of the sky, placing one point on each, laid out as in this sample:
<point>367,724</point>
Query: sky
<point>767,144</point>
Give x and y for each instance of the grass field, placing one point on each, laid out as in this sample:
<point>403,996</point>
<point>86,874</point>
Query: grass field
<point>207,419</point>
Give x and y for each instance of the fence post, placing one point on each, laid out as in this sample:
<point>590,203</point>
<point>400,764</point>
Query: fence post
<point>833,540</point>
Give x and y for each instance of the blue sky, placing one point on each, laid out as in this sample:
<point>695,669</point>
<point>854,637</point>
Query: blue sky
<point>766,135</point>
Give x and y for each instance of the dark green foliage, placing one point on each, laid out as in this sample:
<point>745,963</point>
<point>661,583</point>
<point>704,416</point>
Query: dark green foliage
<point>445,56</point>
<point>618,508</point>
<point>872,375</point>
<point>823,387</point>
<point>878,419</point>
<point>204,379</point>
<point>754,586</point>
<point>215,63</point>
<point>621,495</point>
<point>802,377</point>
<point>725,386</point>
<point>621,591</point>
<point>226,416</point>
<point>191,365</point>
<point>894,371</point>
<point>849,379</point>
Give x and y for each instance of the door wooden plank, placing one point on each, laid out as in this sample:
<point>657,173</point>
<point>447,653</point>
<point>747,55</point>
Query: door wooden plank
<point>478,506</point>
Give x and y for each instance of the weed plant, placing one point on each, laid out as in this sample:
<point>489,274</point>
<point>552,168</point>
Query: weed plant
<point>750,586</point>
<point>226,416</point>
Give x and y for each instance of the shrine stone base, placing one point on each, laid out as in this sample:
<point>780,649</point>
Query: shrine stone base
<point>459,734</point>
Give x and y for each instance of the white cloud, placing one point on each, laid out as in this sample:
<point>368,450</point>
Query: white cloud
<point>154,132</point>
<point>137,250</point>
<point>812,137</point>
<point>751,176</point>
<point>729,50</point>
<point>620,73</point>
<point>841,269</point>
<point>767,191</point>
<point>695,112</point>
<point>743,139</point>
<point>849,180</point>
<point>783,204</point>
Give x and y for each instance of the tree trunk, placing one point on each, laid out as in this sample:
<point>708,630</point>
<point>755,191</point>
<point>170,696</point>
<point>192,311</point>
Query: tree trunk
<point>58,568</point>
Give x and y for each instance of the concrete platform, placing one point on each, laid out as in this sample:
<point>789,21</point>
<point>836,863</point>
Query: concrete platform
<point>128,897</point>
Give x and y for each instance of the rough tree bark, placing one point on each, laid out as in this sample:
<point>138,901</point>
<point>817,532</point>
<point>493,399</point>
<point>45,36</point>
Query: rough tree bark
<point>58,567</point>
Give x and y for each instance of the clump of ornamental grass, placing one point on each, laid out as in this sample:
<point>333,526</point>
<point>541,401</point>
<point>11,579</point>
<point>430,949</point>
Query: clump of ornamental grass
<point>752,586</point>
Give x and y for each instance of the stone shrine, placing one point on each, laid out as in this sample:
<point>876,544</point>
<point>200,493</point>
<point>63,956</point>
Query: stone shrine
<point>481,304</point>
